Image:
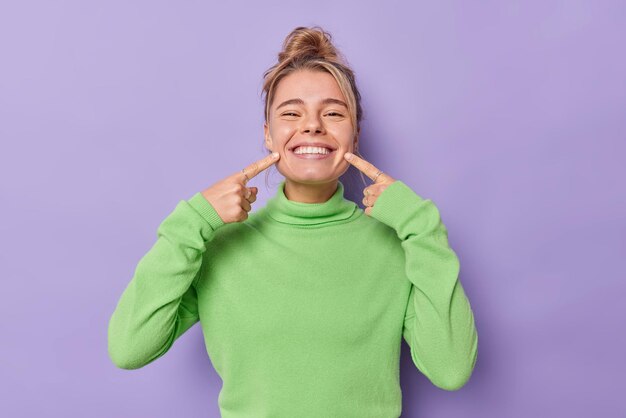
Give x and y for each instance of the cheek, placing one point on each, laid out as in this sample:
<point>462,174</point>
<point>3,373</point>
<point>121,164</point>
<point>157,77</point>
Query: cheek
<point>344,136</point>
<point>282,133</point>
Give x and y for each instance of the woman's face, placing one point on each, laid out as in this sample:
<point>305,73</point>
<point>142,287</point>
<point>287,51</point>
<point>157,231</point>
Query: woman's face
<point>308,107</point>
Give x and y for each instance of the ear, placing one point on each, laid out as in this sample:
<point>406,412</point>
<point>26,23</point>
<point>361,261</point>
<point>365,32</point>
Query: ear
<point>268,137</point>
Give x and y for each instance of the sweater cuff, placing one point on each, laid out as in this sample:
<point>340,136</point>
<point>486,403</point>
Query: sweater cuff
<point>396,204</point>
<point>206,210</point>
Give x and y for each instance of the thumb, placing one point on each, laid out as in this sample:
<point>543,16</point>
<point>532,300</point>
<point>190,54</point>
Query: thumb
<point>250,191</point>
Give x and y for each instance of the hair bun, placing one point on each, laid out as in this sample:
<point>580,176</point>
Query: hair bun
<point>305,42</point>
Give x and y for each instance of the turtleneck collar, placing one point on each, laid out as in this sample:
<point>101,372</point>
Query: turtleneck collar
<point>337,209</point>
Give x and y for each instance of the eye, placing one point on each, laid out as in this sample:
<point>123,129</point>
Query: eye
<point>289,114</point>
<point>334,114</point>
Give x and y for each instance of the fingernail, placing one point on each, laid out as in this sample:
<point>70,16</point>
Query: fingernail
<point>275,154</point>
<point>349,155</point>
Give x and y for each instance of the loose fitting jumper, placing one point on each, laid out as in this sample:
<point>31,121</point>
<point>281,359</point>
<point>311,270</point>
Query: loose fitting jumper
<point>303,306</point>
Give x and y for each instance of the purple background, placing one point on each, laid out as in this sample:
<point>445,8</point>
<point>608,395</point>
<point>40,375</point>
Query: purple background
<point>510,116</point>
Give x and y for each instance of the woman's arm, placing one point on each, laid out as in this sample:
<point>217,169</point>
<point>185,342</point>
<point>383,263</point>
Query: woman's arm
<point>160,302</point>
<point>439,323</point>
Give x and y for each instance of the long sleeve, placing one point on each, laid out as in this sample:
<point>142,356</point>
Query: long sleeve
<point>439,323</point>
<point>160,302</point>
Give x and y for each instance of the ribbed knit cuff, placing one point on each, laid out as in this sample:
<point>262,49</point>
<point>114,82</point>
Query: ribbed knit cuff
<point>206,210</point>
<point>397,203</point>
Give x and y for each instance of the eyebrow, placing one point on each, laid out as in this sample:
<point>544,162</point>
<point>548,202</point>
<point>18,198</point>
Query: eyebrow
<point>301,102</point>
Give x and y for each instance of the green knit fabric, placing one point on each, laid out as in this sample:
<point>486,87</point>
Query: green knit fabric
<point>304,306</point>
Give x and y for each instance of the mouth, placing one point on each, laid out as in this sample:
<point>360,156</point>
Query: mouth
<point>312,153</point>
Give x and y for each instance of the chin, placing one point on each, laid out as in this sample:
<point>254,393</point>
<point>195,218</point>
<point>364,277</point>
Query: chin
<point>311,175</point>
<point>312,178</point>
<point>312,182</point>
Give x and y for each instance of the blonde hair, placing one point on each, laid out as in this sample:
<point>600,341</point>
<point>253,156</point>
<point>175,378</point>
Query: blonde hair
<point>312,49</point>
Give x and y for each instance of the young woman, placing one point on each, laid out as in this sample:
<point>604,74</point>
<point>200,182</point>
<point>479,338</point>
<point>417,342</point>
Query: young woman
<point>304,302</point>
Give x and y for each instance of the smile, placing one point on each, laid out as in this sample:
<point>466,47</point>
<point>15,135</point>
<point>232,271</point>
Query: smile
<point>312,153</point>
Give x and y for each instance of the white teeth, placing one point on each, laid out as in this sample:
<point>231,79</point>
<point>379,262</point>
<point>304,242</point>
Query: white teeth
<point>311,150</point>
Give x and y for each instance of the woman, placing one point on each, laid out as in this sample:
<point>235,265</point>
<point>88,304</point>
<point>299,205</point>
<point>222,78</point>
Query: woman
<point>304,303</point>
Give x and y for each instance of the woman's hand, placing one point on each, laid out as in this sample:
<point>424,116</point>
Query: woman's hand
<point>381,180</point>
<point>231,198</point>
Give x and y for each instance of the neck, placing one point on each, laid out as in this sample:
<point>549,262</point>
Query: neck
<point>309,193</point>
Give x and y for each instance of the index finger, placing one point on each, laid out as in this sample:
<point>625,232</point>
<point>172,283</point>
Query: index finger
<point>368,168</point>
<point>256,167</point>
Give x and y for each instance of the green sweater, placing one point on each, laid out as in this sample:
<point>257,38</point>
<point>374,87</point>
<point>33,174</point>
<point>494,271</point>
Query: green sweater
<point>303,306</point>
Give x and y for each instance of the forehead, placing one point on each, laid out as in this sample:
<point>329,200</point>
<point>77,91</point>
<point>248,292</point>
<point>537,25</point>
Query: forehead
<point>310,86</point>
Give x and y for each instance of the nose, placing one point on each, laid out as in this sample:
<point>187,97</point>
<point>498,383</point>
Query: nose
<point>312,123</point>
